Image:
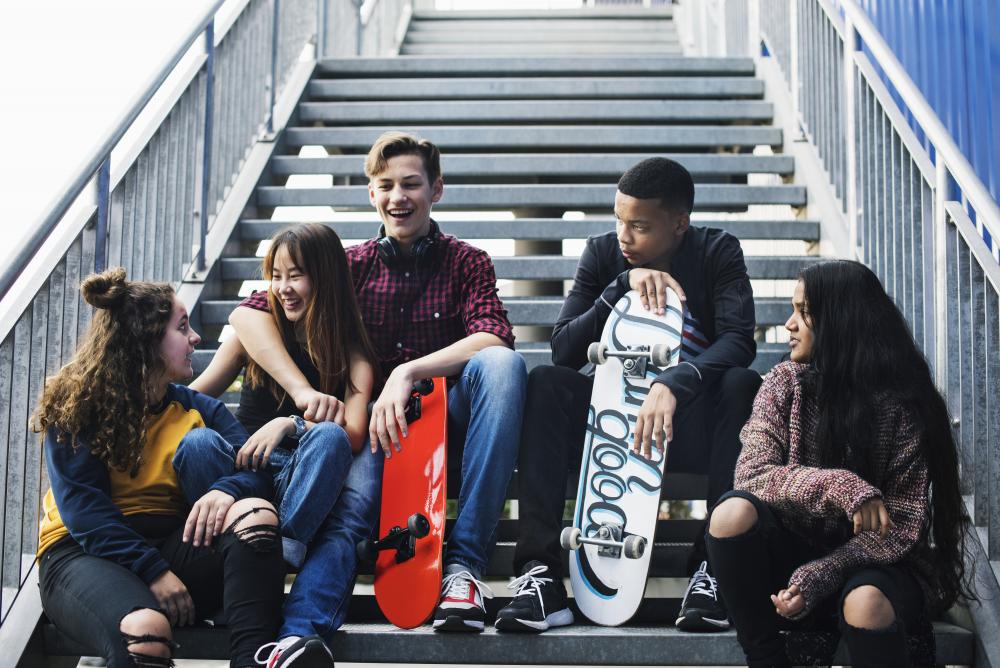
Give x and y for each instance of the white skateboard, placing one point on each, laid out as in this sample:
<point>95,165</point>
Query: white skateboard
<point>618,498</point>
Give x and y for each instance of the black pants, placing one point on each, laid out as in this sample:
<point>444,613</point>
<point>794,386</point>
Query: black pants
<point>706,440</point>
<point>86,597</point>
<point>752,566</point>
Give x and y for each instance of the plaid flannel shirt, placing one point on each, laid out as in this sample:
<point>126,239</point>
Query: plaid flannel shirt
<point>410,312</point>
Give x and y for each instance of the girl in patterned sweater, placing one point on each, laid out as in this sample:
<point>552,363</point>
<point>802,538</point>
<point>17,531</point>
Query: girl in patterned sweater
<point>831,516</point>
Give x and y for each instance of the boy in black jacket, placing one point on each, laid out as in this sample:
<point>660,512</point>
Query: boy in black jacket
<point>698,406</point>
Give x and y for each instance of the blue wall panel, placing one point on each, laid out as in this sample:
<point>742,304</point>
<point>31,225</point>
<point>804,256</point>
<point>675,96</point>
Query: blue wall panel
<point>951,50</point>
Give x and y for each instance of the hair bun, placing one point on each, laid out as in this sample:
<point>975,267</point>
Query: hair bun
<point>105,290</point>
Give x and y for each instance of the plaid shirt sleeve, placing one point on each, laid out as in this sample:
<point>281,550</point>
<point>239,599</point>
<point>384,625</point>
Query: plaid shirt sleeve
<point>257,301</point>
<point>482,310</point>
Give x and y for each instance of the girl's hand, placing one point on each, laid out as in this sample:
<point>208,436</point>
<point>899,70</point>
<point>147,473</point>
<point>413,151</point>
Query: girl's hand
<point>319,407</point>
<point>388,420</point>
<point>789,602</point>
<point>206,518</point>
<point>174,598</point>
<point>258,448</point>
<point>873,516</point>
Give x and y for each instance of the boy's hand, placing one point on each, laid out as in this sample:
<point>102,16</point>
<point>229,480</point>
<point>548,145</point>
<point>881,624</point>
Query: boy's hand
<point>655,422</point>
<point>388,419</point>
<point>652,287</point>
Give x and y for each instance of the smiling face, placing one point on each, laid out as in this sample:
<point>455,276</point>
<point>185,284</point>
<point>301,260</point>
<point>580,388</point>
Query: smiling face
<point>646,231</point>
<point>178,344</point>
<point>290,285</point>
<point>799,326</point>
<point>403,195</point>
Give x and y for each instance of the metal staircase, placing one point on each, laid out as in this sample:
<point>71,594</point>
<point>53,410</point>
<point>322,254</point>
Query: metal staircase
<point>536,117</point>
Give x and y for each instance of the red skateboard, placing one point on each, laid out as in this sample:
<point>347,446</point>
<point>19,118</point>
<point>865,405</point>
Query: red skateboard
<point>414,491</point>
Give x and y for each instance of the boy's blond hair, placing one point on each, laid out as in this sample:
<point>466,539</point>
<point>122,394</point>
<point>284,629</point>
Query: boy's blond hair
<point>394,143</point>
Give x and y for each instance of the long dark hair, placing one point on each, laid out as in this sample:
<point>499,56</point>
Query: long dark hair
<point>108,390</point>
<point>863,350</point>
<point>333,327</point>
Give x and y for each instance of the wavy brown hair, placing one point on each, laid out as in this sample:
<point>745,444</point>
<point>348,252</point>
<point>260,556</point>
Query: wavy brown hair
<point>106,391</point>
<point>332,324</point>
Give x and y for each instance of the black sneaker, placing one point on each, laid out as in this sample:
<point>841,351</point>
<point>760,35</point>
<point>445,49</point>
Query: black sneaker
<point>701,609</point>
<point>307,652</point>
<point>461,607</point>
<point>538,603</point>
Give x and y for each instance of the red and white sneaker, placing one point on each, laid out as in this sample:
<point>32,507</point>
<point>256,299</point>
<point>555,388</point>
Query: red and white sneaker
<point>307,652</point>
<point>461,607</point>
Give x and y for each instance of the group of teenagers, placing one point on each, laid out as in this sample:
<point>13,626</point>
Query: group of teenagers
<point>833,489</point>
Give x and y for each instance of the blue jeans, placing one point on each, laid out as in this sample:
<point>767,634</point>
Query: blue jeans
<point>328,502</point>
<point>484,419</point>
<point>201,458</point>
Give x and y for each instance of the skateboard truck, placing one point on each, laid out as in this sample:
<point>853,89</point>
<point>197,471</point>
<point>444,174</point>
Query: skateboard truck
<point>634,358</point>
<point>403,540</point>
<point>608,541</point>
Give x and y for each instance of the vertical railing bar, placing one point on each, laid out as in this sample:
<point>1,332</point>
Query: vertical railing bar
<point>139,240</point>
<point>275,23</point>
<point>992,440</point>
<point>965,367</point>
<point>103,197</point>
<point>13,526</point>
<point>32,458</point>
<point>87,241</point>
<point>952,370</point>
<point>150,223</point>
<point>207,148</point>
<point>977,282</point>
<point>6,417</point>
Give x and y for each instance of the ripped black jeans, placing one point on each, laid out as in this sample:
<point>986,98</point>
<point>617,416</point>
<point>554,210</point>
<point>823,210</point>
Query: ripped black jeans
<point>752,566</point>
<point>86,597</point>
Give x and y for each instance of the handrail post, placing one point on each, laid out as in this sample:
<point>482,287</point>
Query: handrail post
<point>850,134</point>
<point>103,198</point>
<point>940,310</point>
<point>275,30</point>
<point>793,62</point>
<point>206,154</point>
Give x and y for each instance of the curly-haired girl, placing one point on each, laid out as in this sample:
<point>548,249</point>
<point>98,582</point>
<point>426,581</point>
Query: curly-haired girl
<point>846,501</point>
<point>327,483</point>
<point>130,455</point>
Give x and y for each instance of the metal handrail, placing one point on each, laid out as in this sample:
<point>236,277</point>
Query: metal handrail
<point>958,165</point>
<point>83,174</point>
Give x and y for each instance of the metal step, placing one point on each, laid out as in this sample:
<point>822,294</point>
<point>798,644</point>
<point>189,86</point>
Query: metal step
<point>561,197</point>
<point>508,33</point>
<point>541,49</point>
<point>608,25</point>
<point>523,88</point>
<point>555,267</point>
<point>598,14</point>
<point>649,138</point>
<point>524,66</point>
<point>536,354</point>
<point>546,228</point>
<point>580,644</point>
<point>546,165</point>
<point>538,111</point>
<point>541,311</point>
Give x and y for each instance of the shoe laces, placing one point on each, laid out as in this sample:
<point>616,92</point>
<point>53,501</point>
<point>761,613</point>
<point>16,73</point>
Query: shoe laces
<point>276,648</point>
<point>702,583</point>
<point>456,585</point>
<point>529,584</point>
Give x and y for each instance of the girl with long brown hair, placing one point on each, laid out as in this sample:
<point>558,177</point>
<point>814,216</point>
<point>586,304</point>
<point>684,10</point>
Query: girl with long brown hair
<point>130,455</point>
<point>327,483</point>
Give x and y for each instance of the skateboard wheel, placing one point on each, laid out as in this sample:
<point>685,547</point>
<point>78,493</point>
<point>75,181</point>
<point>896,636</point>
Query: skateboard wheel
<point>366,550</point>
<point>418,525</point>
<point>659,354</point>
<point>424,387</point>
<point>570,538</point>
<point>597,353</point>
<point>634,546</point>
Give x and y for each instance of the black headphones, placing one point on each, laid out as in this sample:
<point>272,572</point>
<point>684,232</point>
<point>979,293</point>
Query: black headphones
<point>424,249</point>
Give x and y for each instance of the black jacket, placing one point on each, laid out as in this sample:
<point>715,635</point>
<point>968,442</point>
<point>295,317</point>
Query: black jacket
<point>708,265</point>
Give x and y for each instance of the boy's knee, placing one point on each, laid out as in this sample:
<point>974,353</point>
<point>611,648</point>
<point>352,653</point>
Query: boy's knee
<point>500,361</point>
<point>327,441</point>
<point>254,522</point>
<point>146,633</point>
<point>739,385</point>
<point>866,607</point>
<point>733,517</point>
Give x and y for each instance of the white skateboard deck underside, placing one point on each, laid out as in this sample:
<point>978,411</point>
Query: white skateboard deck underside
<point>616,485</point>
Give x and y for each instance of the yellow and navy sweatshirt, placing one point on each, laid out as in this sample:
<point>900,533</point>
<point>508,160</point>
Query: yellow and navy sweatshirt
<point>89,501</point>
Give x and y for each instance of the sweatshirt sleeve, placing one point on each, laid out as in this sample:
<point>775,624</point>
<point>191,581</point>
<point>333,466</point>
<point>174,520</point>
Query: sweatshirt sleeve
<point>81,488</point>
<point>906,497</point>
<point>734,346</point>
<point>585,310</point>
<point>238,484</point>
<point>764,467</point>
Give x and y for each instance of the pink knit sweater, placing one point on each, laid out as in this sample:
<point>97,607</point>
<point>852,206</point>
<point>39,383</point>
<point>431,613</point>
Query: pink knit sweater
<point>779,464</point>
